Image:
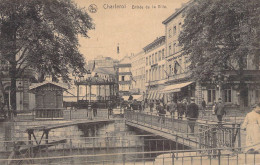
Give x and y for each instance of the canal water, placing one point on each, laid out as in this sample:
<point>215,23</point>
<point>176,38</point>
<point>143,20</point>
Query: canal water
<point>108,140</point>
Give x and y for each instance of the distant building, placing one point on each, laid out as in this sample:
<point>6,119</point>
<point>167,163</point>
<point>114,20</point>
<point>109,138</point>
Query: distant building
<point>138,73</point>
<point>102,61</point>
<point>124,76</point>
<point>155,73</point>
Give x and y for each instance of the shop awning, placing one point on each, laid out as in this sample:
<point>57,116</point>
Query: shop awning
<point>149,95</point>
<point>152,95</point>
<point>174,87</point>
<point>160,95</point>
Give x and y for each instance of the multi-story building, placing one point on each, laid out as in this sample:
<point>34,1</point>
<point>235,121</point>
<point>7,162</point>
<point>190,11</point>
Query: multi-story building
<point>155,68</point>
<point>138,73</point>
<point>124,76</point>
<point>102,61</point>
<point>180,85</point>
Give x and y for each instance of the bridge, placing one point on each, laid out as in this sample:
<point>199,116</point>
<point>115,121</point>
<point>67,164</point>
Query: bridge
<point>207,134</point>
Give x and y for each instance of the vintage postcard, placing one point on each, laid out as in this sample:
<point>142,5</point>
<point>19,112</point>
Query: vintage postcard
<point>122,82</point>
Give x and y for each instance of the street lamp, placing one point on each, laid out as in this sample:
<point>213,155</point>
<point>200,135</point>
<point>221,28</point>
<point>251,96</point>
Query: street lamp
<point>219,79</point>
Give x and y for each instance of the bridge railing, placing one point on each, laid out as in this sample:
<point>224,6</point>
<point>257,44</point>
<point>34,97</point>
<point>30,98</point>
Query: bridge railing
<point>208,134</point>
<point>180,157</point>
<point>60,114</point>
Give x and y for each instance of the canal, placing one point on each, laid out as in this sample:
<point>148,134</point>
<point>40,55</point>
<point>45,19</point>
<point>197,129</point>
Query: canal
<point>85,143</point>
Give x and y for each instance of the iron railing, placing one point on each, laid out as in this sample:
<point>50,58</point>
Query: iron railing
<point>179,157</point>
<point>208,134</point>
<point>61,114</point>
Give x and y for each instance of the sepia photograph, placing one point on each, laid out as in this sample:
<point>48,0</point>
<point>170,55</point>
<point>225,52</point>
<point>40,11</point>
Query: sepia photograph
<point>129,82</point>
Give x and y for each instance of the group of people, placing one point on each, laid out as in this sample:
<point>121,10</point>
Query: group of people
<point>188,109</point>
<point>191,111</point>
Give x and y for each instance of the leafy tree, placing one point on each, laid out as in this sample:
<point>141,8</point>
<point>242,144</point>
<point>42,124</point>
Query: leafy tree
<point>42,34</point>
<point>218,35</point>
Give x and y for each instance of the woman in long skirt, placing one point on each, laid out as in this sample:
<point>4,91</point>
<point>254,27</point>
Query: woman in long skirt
<point>252,126</point>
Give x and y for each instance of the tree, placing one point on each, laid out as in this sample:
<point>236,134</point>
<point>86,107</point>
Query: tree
<point>218,35</point>
<point>42,35</point>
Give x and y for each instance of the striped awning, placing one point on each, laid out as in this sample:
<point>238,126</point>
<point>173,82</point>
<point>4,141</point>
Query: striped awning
<point>174,87</point>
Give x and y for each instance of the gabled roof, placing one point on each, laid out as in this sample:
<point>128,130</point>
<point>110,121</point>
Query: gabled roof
<point>36,85</point>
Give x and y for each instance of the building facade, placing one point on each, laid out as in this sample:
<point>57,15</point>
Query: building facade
<point>124,76</point>
<point>138,73</point>
<point>155,68</point>
<point>180,85</point>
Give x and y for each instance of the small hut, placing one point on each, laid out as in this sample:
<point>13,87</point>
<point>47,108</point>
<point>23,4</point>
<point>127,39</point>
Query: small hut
<point>49,99</point>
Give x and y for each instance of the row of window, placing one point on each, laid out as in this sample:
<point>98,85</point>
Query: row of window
<point>173,48</point>
<point>174,30</point>
<point>157,73</point>
<point>178,66</point>
<point>156,57</point>
<point>212,95</point>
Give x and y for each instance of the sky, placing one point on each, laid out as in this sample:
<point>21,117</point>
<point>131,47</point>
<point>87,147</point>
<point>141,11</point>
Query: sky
<point>131,27</point>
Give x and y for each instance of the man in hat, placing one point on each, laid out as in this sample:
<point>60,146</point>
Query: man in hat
<point>161,112</point>
<point>220,110</point>
<point>180,109</point>
<point>192,114</point>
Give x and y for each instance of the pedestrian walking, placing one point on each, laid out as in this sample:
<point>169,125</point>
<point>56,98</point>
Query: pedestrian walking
<point>185,105</point>
<point>172,107</point>
<point>252,126</point>
<point>192,114</point>
<point>143,105</point>
<point>220,110</point>
<point>151,106</point>
<point>110,108</point>
<point>161,112</point>
<point>180,109</point>
<point>203,106</point>
<point>94,107</point>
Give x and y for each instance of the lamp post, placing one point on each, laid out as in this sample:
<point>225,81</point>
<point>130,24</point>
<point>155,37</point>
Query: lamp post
<point>220,79</point>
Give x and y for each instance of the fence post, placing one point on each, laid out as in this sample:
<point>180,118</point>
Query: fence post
<point>172,158</point>
<point>219,157</point>
<point>200,136</point>
<point>151,119</point>
<point>70,147</point>
<point>214,139</point>
<point>136,117</point>
<point>239,137</point>
<point>123,159</point>
<point>233,135</point>
<point>70,114</point>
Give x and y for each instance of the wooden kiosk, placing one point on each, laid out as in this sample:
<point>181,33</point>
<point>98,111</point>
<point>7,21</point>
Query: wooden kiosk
<point>48,100</point>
